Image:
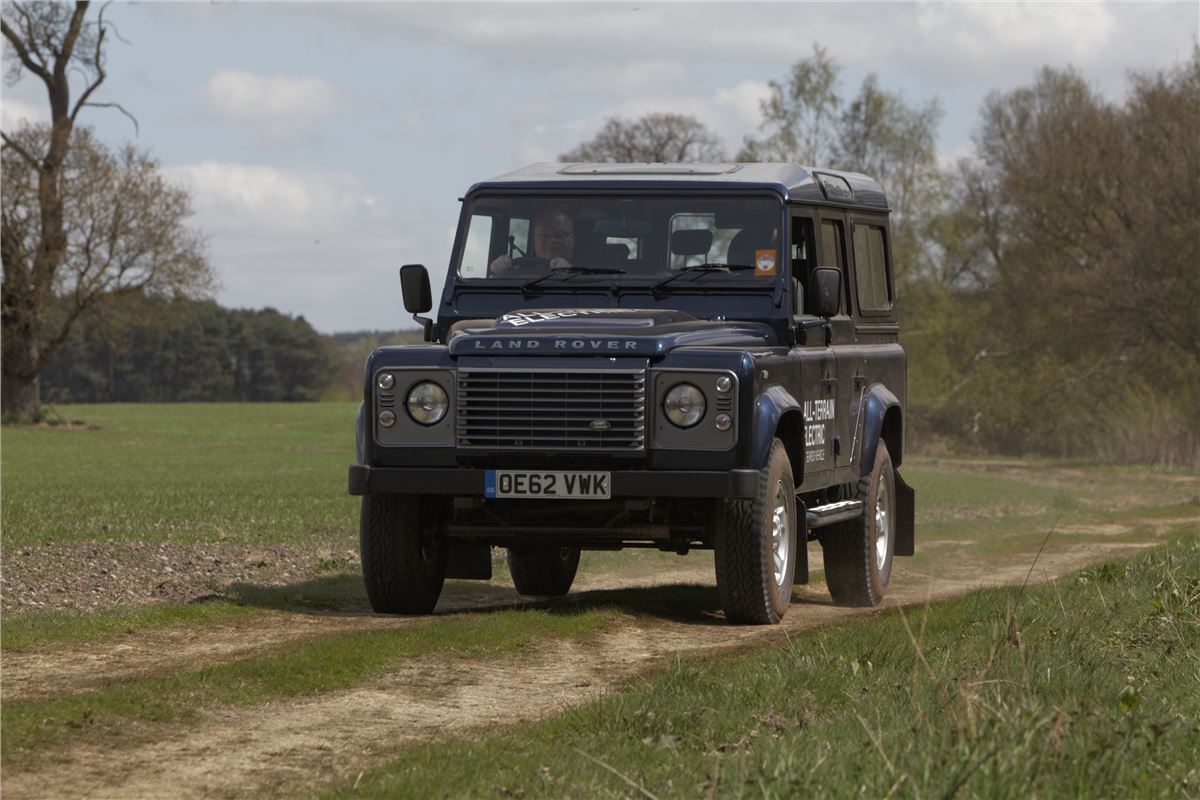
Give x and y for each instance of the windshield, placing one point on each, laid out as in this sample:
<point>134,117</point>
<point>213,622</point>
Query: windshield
<point>628,239</point>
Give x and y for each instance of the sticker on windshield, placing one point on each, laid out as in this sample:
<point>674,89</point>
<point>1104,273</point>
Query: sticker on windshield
<point>764,262</point>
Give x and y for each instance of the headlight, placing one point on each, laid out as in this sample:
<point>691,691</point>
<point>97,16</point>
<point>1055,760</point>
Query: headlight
<point>684,405</point>
<point>427,403</point>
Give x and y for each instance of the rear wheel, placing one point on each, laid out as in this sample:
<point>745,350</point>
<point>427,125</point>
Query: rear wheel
<point>858,554</point>
<point>543,571</point>
<point>755,542</point>
<point>403,548</point>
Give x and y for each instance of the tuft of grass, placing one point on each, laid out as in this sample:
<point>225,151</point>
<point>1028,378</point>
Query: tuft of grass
<point>313,667</point>
<point>1074,688</point>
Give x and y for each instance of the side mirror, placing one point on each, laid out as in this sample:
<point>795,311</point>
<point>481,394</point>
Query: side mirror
<point>825,298</point>
<point>414,285</point>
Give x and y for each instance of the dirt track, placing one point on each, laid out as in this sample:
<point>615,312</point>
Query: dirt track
<point>292,748</point>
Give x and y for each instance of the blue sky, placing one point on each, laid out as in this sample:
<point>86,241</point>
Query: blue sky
<point>327,144</point>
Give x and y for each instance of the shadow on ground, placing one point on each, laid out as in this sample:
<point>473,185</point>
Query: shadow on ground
<point>343,594</point>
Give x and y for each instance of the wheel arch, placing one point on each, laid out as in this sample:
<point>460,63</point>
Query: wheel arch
<point>883,418</point>
<point>777,414</point>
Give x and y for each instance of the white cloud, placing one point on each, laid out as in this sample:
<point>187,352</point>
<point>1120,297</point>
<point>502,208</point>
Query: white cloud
<point>317,243</point>
<point>254,199</point>
<point>629,78</point>
<point>284,108</point>
<point>13,113</point>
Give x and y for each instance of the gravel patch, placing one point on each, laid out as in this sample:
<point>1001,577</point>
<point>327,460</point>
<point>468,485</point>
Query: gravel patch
<point>87,576</point>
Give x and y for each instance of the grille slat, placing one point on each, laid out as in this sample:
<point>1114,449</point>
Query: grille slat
<point>527,410</point>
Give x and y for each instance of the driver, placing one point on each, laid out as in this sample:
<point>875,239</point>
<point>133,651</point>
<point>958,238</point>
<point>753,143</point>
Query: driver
<point>553,239</point>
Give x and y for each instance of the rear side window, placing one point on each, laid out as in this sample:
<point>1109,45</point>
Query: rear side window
<point>870,269</point>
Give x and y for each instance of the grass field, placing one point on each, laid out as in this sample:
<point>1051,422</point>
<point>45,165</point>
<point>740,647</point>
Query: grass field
<point>248,472</point>
<point>1083,687</point>
<point>995,694</point>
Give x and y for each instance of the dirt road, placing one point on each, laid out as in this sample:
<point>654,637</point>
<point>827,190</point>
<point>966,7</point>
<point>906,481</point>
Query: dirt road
<point>285,749</point>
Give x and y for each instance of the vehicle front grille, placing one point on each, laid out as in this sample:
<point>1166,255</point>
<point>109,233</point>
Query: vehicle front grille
<point>552,410</point>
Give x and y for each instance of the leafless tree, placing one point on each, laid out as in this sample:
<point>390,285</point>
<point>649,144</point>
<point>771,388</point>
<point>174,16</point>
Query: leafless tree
<point>654,138</point>
<point>71,235</point>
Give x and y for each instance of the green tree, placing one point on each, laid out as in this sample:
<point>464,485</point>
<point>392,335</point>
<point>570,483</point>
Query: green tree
<point>876,132</point>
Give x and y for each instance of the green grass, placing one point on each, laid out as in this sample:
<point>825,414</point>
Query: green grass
<point>40,628</point>
<point>307,668</point>
<point>1082,687</point>
<point>246,472</point>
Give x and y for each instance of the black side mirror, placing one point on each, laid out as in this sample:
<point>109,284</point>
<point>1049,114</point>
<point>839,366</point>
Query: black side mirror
<point>825,299</point>
<point>414,284</point>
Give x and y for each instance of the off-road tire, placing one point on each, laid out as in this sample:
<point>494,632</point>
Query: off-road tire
<point>403,549</point>
<point>852,569</point>
<point>543,571</point>
<point>745,551</point>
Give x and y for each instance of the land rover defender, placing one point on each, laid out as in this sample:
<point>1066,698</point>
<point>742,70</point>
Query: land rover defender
<point>672,356</point>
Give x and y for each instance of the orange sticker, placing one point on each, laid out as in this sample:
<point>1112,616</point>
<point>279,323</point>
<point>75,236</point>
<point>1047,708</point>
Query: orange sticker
<point>764,262</point>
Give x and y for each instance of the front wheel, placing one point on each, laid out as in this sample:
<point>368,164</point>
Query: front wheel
<point>403,548</point>
<point>543,571</point>
<point>755,543</point>
<point>858,554</point>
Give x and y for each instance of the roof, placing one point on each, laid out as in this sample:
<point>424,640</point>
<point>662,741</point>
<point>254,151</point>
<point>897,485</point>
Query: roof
<point>804,184</point>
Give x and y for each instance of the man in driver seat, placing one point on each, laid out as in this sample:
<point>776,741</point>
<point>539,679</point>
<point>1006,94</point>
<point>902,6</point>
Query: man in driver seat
<point>553,234</point>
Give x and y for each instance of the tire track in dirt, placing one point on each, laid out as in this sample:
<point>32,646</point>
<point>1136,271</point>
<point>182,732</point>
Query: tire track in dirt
<point>293,747</point>
<point>75,668</point>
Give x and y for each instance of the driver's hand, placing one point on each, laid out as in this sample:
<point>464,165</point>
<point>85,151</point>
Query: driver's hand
<point>558,262</point>
<point>500,265</point>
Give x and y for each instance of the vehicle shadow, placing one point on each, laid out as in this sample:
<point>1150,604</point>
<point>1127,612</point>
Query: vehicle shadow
<point>342,594</point>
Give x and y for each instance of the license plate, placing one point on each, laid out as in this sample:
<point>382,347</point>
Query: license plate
<point>552,485</point>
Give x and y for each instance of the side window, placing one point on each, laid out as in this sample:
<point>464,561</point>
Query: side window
<point>518,229</point>
<point>803,257</point>
<point>475,252</point>
<point>870,268</point>
<point>833,252</point>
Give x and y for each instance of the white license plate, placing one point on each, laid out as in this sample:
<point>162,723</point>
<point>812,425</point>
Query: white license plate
<point>553,485</point>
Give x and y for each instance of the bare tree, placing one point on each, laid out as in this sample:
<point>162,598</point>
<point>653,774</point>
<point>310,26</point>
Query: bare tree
<point>654,138</point>
<point>71,235</point>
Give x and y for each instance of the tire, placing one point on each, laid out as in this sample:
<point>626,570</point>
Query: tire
<point>858,554</point>
<point>403,549</point>
<point>543,571</point>
<point>755,543</point>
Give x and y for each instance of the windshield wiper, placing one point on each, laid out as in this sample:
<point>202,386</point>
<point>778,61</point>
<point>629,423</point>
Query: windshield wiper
<point>705,267</point>
<point>572,270</point>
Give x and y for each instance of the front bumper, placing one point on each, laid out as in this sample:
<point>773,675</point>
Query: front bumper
<point>625,483</point>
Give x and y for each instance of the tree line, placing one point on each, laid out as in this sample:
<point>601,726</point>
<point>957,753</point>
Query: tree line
<point>152,349</point>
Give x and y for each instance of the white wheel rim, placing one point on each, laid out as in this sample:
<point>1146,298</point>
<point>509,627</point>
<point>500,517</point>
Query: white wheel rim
<point>780,540</point>
<point>883,521</point>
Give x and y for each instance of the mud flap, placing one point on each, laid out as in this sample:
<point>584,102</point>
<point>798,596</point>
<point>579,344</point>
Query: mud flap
<point>469,561</point>
<point>906,544</point>
<point>801,574</point>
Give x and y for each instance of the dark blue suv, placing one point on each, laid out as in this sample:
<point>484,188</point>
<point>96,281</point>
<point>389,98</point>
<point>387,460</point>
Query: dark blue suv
<point>673,356</point>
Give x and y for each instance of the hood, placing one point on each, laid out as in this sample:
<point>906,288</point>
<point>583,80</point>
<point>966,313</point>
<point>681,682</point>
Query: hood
<point>599,331</point>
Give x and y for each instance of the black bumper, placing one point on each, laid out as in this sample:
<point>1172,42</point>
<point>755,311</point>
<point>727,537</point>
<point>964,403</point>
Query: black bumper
<point>625,483</point>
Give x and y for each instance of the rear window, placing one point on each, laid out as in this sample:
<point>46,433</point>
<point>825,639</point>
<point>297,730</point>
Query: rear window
<point>870,269</point>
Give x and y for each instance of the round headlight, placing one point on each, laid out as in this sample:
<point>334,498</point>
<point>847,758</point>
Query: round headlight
<point>427,403</point>
<point>684,405</point>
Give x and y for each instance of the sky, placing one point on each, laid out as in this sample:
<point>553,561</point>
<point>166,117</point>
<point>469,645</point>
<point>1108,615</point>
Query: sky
<point>324,145</point>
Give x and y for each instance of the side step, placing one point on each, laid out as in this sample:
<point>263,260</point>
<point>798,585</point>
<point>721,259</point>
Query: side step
<point>820,516</point>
